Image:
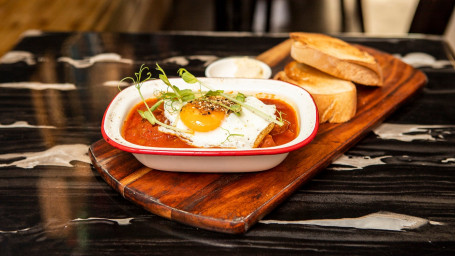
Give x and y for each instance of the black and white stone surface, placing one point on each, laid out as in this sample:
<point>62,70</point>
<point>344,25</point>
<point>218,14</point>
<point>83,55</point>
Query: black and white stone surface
<point>391,194</point>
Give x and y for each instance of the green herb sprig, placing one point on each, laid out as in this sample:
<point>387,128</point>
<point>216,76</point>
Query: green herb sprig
<point>191,79</point>
<point>138,82</point>
<point>230,135</point>
<point>187,95</point>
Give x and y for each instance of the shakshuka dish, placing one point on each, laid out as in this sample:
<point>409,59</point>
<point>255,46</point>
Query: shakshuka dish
<point>209,119</point>
<point>206,124</point>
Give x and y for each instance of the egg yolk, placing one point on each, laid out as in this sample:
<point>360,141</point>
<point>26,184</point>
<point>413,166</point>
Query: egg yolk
<point>201,121</point>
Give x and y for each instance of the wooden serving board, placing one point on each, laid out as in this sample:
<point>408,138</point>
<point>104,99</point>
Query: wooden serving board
<point>232,203</point>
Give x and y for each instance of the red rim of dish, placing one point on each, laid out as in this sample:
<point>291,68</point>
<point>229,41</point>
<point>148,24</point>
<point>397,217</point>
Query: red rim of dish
<point>215,151</point>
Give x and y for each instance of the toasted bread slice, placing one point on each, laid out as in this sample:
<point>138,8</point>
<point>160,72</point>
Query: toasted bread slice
<point>336,99</point>
<point>336,57</point>
<point>262,135</point>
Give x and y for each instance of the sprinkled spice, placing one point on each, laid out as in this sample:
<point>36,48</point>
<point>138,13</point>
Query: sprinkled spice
<point>212,103</point>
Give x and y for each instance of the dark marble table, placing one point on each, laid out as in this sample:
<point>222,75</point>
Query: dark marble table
<point>391,194</point>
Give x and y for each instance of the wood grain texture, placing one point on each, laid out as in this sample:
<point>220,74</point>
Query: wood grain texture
<point>276,54</point>
<point>232,203</point>
<point>18,16</point>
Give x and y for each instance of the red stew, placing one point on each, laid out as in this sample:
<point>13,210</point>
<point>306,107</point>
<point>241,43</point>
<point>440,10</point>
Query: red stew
<point>139,131</point>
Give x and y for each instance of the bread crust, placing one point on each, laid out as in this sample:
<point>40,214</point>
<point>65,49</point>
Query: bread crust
<point>262,135</point>
<point>336,58</point>
<point>336,99</point>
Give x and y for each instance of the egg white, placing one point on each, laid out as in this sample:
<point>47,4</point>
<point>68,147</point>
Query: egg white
<point>235,131</point>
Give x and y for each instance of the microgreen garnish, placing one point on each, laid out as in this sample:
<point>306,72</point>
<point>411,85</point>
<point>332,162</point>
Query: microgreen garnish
<point>280,116</point>
<point>230,135</point>
<point>149,113</point>
<point>213,93</point>
<point>138,81</point>
<point>191,79</point>
<point>187,76</point>
<point>240,97</point>
<point>235,108</point>
<point>164,78</point>
<point>180,95</point>
<point>187,95</point>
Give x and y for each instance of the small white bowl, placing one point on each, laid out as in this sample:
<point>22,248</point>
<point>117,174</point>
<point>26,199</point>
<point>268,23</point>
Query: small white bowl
<point>213,159</point>
<point>238,67</point>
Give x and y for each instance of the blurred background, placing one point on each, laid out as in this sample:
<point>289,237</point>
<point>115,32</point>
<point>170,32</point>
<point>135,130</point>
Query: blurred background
<point>371,17</point>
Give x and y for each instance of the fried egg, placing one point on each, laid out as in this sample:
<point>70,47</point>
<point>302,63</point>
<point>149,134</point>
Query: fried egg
<point>216,128</point>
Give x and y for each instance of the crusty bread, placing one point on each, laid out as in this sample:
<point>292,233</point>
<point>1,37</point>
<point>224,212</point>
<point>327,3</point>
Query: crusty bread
<point>262,135</point>
<point>336,99</point>
<point>336,58</point>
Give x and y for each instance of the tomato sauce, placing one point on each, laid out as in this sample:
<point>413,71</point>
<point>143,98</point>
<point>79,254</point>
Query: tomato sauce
<point>139,131</point>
